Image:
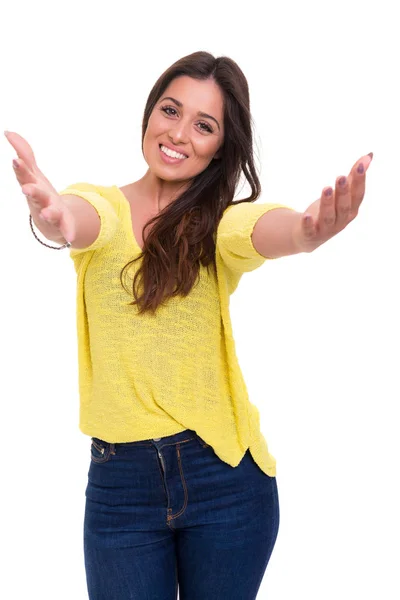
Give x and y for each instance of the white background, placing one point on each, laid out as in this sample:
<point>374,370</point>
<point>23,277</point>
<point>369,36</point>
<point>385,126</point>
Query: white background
<point>317,334</point>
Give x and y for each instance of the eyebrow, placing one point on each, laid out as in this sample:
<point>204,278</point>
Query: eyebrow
<point>201,114</point>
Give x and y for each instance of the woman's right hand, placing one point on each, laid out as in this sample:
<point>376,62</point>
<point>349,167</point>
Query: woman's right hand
<point>50,214</point>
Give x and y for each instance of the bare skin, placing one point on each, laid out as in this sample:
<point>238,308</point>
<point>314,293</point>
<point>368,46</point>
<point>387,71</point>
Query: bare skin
<point>180,128</point>
<point>45,204</point>
<point>175,123</point>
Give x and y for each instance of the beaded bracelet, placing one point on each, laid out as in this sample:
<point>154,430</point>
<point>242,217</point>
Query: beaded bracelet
<point>66,245</point>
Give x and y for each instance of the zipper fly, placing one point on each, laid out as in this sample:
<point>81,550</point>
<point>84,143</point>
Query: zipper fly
<point>162,460</point>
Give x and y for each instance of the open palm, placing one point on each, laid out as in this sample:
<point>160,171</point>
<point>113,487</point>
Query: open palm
<point>335,209</point>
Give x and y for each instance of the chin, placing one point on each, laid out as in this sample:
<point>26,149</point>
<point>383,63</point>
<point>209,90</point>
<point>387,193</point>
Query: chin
<point>166,175</point>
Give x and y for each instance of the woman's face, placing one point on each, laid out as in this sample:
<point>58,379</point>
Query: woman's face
<point>188,120</point>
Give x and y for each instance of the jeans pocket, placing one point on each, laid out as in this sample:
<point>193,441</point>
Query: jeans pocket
<point>100,451</point>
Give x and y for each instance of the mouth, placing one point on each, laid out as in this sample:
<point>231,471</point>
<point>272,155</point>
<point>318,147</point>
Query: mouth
<point>170,156</point>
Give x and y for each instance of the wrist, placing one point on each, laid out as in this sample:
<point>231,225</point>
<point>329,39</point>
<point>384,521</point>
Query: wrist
<point>48,232</point>
<point>46,229</point>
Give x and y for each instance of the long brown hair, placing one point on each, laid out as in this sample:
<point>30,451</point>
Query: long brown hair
<point>184,233</point>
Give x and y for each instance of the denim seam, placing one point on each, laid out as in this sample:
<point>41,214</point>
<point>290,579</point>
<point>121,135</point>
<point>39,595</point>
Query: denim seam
<point>165,488</point>
<point>185,502</point>
<point>105,457</point>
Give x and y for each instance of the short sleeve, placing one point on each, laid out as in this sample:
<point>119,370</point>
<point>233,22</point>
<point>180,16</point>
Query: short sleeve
<point>234,241</point>
<point>108,213</point>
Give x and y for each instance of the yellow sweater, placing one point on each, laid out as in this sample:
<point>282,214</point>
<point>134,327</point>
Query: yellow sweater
<point>145,376</point>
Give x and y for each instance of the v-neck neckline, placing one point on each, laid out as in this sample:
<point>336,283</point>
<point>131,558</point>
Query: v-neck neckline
<point>132,234</point>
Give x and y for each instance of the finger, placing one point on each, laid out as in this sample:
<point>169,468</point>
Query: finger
<point>327,213</point>
<point>22,173</point>
<point>51,214</point>
<point>36,196</point>
<point>343,202</point>
<point>25,152</point>
<point>357,179</point>
<point>61,219</point>
<point>48,213</point>
<point>22,148</point>
<point>308,227</point>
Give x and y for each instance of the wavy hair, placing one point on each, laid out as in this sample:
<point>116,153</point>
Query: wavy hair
<point>184,232</point>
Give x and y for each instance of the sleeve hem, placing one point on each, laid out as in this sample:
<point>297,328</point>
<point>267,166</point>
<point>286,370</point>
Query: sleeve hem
<point>235,235</point>
<point>105,211</point>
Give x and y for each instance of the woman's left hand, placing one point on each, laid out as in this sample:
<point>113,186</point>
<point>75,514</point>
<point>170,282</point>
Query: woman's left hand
<point>331,213</point>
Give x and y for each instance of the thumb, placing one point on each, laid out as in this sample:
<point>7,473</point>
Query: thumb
<point>308,226</point>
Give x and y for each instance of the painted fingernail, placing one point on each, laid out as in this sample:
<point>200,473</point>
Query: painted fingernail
<point>15,164</point>
<point>342,181</point>
<point>371,154</point>
<point>360,169</point>
<point>328,192</point>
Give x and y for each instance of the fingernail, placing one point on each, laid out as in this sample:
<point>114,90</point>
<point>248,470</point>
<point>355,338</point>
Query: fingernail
<point>371,154</point>
<point>15,164</point>
<point>360,169</point>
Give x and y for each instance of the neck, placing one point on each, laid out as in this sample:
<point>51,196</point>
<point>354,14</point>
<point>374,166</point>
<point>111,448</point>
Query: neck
<point>158,192</point>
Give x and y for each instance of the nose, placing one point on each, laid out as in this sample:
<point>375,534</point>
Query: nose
<point>178,134</point>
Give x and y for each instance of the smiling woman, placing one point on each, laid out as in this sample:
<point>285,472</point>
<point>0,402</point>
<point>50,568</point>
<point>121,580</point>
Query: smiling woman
<point>196,140</point>
<point>162,370</point>
<point>176,442</point>
<point>179,468</point>
<point>194,135</point>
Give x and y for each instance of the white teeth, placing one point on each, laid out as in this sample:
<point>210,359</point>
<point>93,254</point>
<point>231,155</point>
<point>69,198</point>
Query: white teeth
<point>172,153</point>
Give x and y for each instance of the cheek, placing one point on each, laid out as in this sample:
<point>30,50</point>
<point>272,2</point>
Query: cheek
<point>206,148</point>
<point>155,126</point>
<point>152,132</point>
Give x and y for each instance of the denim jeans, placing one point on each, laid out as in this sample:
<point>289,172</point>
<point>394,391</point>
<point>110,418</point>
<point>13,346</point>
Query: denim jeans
<point>167,513</point>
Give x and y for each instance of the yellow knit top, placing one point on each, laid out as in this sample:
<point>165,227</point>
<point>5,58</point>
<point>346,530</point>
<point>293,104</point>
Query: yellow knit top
<point>148,376</point>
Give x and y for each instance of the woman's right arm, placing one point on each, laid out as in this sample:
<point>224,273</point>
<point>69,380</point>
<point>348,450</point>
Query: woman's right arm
<point>86,219</point>
<point>59,218</point>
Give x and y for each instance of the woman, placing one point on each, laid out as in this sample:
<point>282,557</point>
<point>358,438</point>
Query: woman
<point>181,487</point>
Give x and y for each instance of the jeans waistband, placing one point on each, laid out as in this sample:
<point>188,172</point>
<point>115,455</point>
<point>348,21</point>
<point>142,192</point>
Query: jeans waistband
<point>182,436</point>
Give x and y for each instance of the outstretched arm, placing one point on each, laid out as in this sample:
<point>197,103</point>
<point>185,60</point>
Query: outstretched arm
<point>281,232</point>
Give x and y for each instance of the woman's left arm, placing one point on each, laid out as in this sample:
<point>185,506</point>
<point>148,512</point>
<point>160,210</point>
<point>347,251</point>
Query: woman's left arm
<point>282,232</point>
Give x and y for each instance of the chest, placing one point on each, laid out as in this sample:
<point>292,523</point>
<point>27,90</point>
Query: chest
<point>139,217</point>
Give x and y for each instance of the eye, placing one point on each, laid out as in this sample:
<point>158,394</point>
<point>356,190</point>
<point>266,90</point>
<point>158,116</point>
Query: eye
<point>204,126</point>
<point>207,127</point>
<point>167,108</point>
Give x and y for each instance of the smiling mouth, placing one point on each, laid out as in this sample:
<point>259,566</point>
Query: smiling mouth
<point>172,153</point>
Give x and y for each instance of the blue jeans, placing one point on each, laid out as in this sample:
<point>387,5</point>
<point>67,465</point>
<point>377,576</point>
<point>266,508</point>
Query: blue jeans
<point>169,510</point>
